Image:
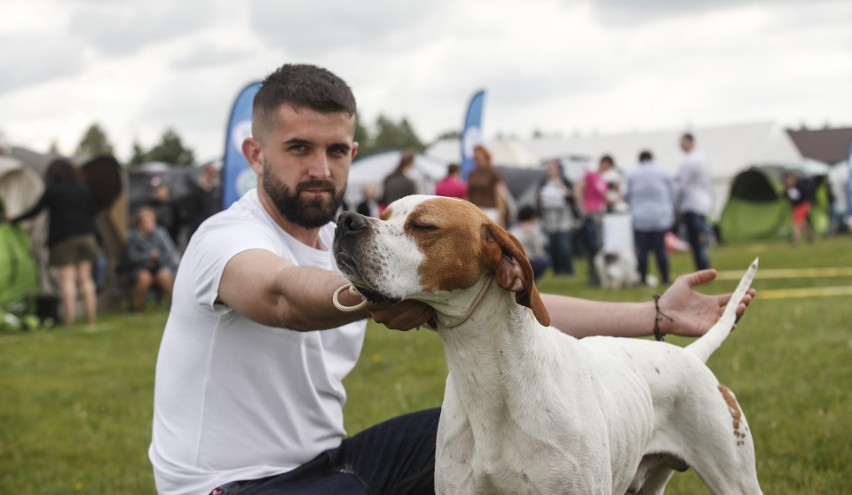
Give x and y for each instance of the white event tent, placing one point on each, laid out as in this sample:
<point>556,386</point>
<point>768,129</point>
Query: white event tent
<point>729,150</point>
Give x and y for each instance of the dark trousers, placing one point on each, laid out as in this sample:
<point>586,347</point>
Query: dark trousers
<point>593,240</point>
<point>559,246</point>
<point>393,457</point>
<point>696,236</point>
<point>647,241</point>
<point>539,265</point>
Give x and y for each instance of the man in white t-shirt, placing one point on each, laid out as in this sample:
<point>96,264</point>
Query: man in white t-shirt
<point>248,395</point>
<point>694,199</point>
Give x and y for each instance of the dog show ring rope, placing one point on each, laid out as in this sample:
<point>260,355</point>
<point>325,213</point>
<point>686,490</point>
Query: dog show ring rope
<point>473,305</point>
<point>352,290</point>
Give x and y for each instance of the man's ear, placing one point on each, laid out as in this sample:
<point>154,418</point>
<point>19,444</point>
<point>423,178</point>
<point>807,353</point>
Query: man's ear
<point>253,152</point>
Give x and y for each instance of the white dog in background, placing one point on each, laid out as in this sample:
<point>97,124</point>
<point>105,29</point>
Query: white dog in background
<point>618,270</point>
<point>616,262</point>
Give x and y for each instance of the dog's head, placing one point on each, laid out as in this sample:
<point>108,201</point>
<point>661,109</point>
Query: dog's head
<point>426,245</point>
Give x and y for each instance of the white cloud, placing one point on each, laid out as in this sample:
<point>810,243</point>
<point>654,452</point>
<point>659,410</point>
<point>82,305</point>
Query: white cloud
<point>31,59</point>
<point>124,27</point>
<point>139,67</point>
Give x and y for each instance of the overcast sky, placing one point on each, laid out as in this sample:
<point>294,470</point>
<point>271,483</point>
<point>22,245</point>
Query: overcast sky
<point>137,67</point>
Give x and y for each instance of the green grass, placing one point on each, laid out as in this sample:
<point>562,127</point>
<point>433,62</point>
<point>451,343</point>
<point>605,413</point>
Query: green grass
<point>75,402</point>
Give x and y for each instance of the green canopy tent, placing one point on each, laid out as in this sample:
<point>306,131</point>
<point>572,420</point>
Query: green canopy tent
<point>19,268</point>
<point>758,209</point>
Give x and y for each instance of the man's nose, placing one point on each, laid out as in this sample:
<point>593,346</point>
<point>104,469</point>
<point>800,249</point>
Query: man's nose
<point>319,167</point>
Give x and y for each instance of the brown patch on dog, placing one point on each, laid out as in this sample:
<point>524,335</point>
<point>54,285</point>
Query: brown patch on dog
<point>450,245</point>
<point>736,412</point>
<point>460,243</point>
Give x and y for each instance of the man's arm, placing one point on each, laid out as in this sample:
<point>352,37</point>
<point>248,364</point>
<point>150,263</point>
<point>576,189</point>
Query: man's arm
<point>687,311</point>
<point>272,291</point>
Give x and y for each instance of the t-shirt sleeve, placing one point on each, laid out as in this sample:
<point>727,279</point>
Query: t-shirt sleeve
<point>217,244</point>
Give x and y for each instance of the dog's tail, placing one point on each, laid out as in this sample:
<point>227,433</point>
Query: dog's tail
<point>710,341</point>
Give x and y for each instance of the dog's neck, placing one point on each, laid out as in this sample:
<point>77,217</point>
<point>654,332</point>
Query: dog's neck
<point>484,284</point>
<point>498,335</point>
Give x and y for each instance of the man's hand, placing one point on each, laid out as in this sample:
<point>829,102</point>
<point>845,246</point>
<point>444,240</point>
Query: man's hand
<point>403,315</point>
<point>693,313</point>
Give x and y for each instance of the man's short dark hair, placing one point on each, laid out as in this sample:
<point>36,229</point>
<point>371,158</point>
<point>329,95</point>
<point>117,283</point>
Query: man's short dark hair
<point>645,156</point>
<point>300,86</point>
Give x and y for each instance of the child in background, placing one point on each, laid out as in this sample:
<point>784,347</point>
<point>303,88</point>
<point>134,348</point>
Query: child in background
<point>531,236</point>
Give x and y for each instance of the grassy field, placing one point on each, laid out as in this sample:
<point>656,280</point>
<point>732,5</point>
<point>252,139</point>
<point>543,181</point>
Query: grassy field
<point>75,402</point>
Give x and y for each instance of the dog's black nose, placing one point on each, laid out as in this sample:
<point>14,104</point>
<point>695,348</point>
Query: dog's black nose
<point>350,222</point>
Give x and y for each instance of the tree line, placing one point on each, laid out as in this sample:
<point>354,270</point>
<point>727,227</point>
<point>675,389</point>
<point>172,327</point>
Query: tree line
<point>384,134</point>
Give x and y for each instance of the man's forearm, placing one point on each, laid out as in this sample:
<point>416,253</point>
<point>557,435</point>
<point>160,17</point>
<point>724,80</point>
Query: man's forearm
<point>305,299</point>
<point>583,318</point>
<point>271,291</point>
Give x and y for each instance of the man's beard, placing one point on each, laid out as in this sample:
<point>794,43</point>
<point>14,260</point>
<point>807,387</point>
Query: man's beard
<point>311,212</point>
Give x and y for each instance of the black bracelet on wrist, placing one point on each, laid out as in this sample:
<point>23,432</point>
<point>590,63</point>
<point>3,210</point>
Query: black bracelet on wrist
<point>658,334</point>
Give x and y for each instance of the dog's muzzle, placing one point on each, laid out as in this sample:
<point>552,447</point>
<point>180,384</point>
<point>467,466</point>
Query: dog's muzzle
<point>350,232</point>
<point>349,225</point>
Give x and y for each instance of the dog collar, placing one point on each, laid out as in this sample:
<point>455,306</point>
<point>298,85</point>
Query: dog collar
<point>473,305</point>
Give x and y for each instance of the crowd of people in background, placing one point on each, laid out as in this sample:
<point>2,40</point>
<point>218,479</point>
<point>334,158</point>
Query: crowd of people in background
<point>565,220</point>
<point>159,230</point>
<point>667,211</point>
<point>570,216</point>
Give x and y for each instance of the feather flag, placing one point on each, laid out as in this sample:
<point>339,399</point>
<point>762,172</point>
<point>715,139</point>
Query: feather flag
<point>237,176</point>
<point>472,133</point>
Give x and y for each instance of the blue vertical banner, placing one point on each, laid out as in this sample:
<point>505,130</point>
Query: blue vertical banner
<point>472,132</point>
<point>237,176</point>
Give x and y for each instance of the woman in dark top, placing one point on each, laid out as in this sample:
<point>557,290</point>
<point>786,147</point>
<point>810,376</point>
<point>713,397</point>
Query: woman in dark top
<point>397,184</point>
<point>71,235</point>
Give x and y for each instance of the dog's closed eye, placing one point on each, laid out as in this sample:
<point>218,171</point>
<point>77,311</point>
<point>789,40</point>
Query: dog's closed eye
<point>423,227</point>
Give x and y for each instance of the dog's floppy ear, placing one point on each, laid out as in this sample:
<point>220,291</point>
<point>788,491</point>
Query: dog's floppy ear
<point>512,269</point>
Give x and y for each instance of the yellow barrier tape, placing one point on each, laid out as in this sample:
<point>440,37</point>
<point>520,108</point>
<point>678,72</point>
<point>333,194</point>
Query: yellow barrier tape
<point>789,273</point>
<point>805,292</point>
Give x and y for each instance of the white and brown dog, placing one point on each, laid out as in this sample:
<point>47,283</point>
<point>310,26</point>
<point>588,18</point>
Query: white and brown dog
<point>527,408</point>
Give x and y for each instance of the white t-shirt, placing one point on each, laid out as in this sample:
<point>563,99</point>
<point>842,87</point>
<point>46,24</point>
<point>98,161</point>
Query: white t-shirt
<point>234,399</point>
<point>695,186</point>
